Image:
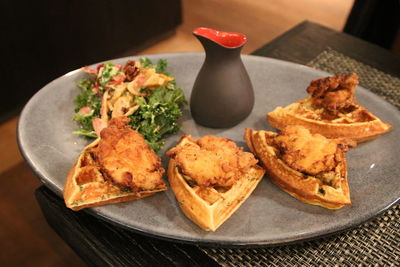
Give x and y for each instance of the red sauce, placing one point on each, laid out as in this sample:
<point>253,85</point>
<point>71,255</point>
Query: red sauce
<point>227,39</point>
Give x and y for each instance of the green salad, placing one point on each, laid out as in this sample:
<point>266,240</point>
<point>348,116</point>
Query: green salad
<point>139,90</point>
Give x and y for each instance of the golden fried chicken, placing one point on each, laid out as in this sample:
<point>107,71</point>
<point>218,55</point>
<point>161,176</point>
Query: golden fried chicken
<point>126,159</point>
<point>306,152</point>
<point>212,161</point>
<point>334,93</point>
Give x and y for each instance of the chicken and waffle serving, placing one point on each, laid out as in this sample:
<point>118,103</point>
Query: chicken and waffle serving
<point>331,110</point>
<point>119,166</point>
<point>211,177</point>
<point>310,167</point>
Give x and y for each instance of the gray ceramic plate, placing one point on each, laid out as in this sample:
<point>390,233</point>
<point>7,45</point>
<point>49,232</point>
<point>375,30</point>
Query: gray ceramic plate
<point>269,216</point>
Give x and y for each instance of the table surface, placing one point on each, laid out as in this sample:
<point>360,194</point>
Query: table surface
<point>100,243</point>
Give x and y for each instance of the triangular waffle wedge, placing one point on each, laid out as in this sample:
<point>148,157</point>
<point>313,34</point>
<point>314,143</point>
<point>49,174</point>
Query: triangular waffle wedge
<point>210,206</point>
<point>329,190</point>
<point>89,184</point>
<point>331,110</point>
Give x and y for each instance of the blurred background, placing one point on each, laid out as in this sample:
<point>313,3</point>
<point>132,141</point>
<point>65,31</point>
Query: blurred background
<point>45,39</point>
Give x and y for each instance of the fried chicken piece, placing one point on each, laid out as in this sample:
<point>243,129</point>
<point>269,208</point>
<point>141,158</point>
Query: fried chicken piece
<point>308,153</point>
<point>334,93</point>
<point>126,159</point>
<point>212,161</point>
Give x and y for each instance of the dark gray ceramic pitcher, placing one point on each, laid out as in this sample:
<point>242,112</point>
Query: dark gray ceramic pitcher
<point>222,95</point>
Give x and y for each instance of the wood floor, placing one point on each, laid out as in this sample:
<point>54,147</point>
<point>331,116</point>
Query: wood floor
<point>25,238</point>
<point>260,20</point>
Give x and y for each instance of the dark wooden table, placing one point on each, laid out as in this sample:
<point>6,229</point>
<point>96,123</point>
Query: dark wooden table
<point>100,243</point>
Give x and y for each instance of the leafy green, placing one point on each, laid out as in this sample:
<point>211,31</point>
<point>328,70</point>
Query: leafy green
<point>163,95</point>
<point>145,62</point>
<point>85,121</point>
<point>86,98</point>
<point>85,132</point>
<point>157,115</point>
<point>160,67</point>
<point>108,72</point>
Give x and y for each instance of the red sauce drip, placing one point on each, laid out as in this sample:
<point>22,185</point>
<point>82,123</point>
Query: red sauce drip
<point>227,39</point>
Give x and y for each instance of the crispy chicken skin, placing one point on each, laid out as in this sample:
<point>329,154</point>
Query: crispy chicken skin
<point>126,159</point>
<point>212,161</point>
<point>334,93</point>
<point>306,152</point>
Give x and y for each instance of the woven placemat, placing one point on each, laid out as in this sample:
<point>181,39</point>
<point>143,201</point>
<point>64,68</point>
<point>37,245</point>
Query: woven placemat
<point>376,242</point>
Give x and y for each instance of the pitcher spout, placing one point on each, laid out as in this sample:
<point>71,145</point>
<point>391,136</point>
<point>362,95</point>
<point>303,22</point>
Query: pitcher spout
<point>230,40</point>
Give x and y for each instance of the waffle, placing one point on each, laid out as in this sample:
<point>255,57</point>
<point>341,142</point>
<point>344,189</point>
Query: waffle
<point>86,186</point>
<point>311,189</point>
<point>210,206</point>
<point>350,120</point>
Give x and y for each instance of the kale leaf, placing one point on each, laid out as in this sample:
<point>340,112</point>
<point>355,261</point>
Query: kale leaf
<point>108,72</point>
<point>157,115</point>
<point>160,67</point>
<point>86,98</point>
<point>145,62</point>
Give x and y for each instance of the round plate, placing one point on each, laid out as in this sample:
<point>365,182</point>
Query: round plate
<point>269,216</point>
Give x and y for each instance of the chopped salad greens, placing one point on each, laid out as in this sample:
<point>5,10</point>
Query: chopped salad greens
<point>141,91</point>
